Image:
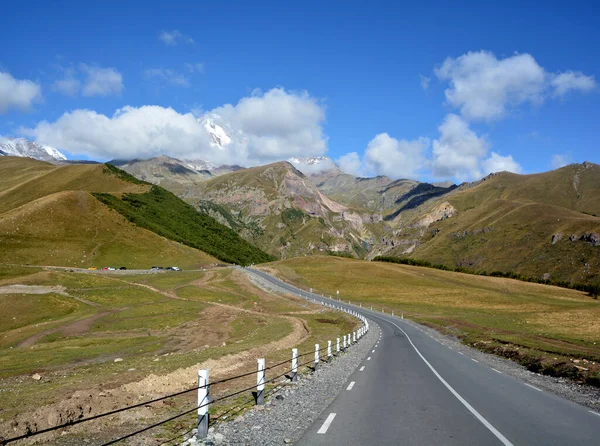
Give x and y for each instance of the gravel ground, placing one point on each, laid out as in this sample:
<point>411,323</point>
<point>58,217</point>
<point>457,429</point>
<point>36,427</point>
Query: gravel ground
<point>291,410</point>
<point>578,393</point>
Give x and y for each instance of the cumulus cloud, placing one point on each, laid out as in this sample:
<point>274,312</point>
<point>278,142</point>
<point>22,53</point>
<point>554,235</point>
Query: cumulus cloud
<point>197,67</point>
<point>174,37</point>
<point>264,127</point>
<point>499,163</point>
<point>485,88</point>
<point>351,163</point>
<point>395,158</point>
<point>568,81</point>
<point>560,160</point>
<point>425,82</point>
<point>482,86</point>
<point>18,94</point>
<point>278,124</point>
<point>458,151</point>
<point>101,81</point>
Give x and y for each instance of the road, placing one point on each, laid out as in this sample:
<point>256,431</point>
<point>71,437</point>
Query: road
<point>414,390</point>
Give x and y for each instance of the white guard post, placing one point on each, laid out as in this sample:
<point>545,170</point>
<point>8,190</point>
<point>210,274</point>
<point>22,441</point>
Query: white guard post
<point>260,382</point>
<point>328,351</point>
<point>316,357</point>
<point>202,404</point>
<point>294,364</point>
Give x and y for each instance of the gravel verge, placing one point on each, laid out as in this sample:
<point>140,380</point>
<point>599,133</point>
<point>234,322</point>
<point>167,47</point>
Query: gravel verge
<point>578,393</point>
<point>291,410</point>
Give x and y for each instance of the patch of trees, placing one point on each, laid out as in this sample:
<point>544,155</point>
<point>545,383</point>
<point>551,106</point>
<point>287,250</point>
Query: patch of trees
<point>165,214</point>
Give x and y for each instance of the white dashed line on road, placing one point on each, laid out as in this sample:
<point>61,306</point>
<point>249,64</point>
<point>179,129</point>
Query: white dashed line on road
<point>533,387</point>
<point>497,371</point>
<point>474,360</point>
<point>351,385</point>
<point>461,353</point>
<point>369,358</point>
<point>326,424</point>
<point>595,413</point>
<point>373,351</point>
<point>361,369</point>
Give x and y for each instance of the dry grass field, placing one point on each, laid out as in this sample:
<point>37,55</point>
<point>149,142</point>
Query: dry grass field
<point>549,329</point>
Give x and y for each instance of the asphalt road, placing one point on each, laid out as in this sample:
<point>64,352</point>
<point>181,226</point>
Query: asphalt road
<point>414,390</point>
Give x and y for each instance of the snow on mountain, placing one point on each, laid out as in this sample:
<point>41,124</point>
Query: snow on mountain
<point>24,147</point>
<point>199,164</point>
<point>314,165</point>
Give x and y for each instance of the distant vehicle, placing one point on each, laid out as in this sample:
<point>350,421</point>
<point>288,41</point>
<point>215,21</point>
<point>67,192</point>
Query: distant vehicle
<point>110,268</point>
<point>123,268</point>
<point>174,268</point>
<point>105,268</point>
<point>92,268</point>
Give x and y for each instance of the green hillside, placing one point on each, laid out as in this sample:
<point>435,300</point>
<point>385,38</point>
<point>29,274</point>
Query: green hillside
<point>49,216</point>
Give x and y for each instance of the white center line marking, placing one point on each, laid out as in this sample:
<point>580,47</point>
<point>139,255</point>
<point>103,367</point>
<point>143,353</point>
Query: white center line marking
<point>373,351</point>
<point>497,371</point>
<point>326,424</point>
<point>595,413</point>
<point>474,360</point>
<point>533,387</point>
<point>470,408</point>
<point>461,353</point>
<point>361,369</point>
<point>369,358</point>
<point>351,385</point>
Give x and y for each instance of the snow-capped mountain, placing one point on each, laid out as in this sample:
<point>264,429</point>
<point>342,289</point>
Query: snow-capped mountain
<point>314,165</point>
<point>24,147</point>
<point>199,164</point>
<point>221,134</point>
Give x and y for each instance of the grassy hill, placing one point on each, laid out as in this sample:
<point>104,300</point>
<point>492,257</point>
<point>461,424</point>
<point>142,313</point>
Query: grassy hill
<point>542,226</point>
<point>49,216</point>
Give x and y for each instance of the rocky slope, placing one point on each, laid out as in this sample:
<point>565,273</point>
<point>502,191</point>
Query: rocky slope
<point>280,210</point>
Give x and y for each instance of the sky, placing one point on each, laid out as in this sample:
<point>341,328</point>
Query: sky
<point>428,90</point>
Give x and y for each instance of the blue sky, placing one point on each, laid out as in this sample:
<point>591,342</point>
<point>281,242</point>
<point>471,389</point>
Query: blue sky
<point>429,90</point>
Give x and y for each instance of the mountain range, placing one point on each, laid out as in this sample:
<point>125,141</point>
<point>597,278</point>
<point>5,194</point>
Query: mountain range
<point>543,226</point>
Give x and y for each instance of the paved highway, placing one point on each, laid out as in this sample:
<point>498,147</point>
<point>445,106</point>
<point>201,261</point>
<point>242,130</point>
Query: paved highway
<point>413,390</point>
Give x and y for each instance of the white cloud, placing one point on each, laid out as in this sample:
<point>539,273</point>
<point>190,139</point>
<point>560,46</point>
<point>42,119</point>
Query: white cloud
<point>560,160</point>
<point>170,76</point>
<point>267,127</point>
<point>572,81</point>
<point>425,82</point>
<point>69,86</point>
<point>351,163</point>
<point>395,158</point>
<point>19,94</point>
<point>278,124</point>
<point>174,37</point>
<point>458,151</point>
<point>482,86</point>
<point>101,81</point>
<point>499,163</point>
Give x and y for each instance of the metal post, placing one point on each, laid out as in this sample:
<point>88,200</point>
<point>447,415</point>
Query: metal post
<point>402,315</point>
<point>392,312</point>
<point>338,347</point>
<point>354,337</point>
<point>294,364</point>
<point>202,404</point>
<point>316,357</point>
<point>260,383</point>
<point>328,351</point>
<point>344,342</point>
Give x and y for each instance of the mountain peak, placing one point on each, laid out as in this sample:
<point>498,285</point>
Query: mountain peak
<point>25,148</point>
<point>314,165</point>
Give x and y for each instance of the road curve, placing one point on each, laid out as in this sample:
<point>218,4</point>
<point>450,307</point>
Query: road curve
<point>413,390</point>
